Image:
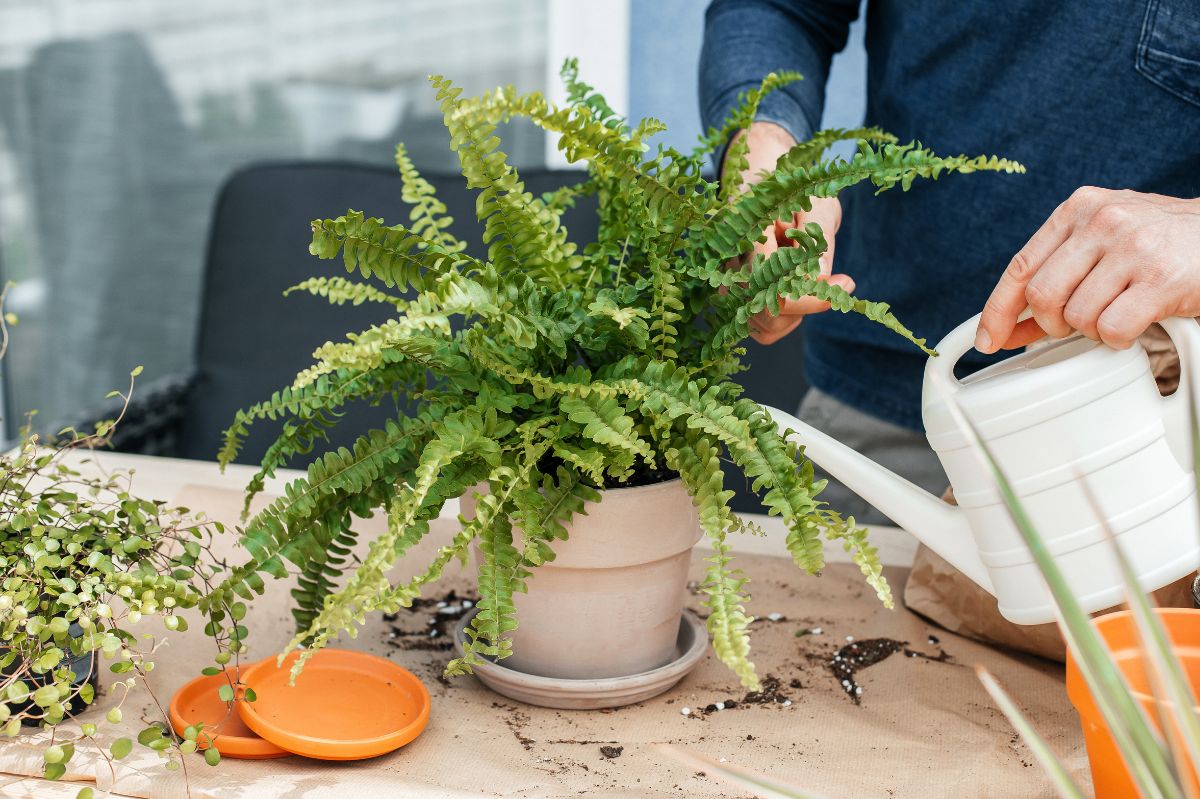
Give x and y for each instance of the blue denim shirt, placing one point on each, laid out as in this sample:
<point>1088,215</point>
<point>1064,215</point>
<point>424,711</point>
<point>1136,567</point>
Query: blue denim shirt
<point>1103,93</point>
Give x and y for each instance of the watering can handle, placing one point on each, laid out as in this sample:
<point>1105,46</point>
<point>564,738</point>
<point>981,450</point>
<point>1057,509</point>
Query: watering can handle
<point>956,344</point>
<point>1185,334</point>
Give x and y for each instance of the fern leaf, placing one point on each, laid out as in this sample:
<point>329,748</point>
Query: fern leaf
<point>862,553</point>
<point>395,255</point>
<point>428,215</point>
<point>734,228</point>
<point>794,272</point>
<point>743,113</point>
<point>736,156</point>
<point>339,291</point>
<point>698,463</point>
<point>605,422</point>
<point>460,438</point>
<point>807,153</point>
<point>521,235</point>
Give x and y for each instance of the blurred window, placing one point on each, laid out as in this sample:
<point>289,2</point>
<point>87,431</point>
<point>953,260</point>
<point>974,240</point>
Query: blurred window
<point>120,119</point>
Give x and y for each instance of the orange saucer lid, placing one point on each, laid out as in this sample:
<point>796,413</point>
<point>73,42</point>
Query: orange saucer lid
<point>198,701</point>
<point>345,705</point>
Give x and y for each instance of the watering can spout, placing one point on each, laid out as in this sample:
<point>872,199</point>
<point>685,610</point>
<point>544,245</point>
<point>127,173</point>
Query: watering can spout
<point>940,526</point>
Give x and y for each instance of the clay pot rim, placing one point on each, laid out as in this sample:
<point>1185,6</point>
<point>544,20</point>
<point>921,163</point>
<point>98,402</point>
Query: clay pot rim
<point>621,490</point>
<point>1110,619</point>
<point>631,490</point>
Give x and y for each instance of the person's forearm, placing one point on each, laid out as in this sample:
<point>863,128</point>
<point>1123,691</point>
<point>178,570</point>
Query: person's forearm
<point>746,39</point>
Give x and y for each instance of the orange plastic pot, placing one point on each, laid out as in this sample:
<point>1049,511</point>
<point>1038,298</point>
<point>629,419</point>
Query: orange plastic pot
<point>1110,777</point>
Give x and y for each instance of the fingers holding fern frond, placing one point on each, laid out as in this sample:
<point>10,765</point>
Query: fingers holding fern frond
<point>792,273</point>
<point>733,229</point>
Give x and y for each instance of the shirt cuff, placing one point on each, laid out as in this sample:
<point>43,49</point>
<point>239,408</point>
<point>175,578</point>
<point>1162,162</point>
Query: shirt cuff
<point>778,107</point>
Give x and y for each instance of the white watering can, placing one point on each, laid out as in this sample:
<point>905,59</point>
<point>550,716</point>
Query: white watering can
<point>1056,417</point>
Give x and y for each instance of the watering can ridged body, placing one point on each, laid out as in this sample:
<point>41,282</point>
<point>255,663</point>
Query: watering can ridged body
<point>1085,438</point>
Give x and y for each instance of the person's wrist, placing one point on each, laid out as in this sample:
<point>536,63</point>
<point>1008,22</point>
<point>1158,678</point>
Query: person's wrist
<point>767,142</point>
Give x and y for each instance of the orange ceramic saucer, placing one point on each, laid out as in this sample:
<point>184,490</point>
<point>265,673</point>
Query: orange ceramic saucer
<point>345,705</point>
<point>197,701</point>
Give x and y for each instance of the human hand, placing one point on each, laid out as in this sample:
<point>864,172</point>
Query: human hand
<point>767,143</point>
<point>1107,264</point>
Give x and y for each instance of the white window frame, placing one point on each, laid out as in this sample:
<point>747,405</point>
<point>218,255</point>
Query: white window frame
<point>597,33</point>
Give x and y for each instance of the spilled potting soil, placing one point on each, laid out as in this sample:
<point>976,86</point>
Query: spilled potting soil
<point>771,692</point>
<point>437,633</point>
<point>858,655</point>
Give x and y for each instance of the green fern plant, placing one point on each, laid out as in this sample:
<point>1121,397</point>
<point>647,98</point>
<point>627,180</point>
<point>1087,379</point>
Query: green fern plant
<point>567,370</point>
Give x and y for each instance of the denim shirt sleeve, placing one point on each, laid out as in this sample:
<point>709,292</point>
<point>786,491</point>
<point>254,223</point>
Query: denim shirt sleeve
<point>746,39</point>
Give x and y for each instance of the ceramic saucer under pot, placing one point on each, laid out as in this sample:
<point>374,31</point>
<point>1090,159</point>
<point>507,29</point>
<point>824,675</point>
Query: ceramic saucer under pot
<point>593,694</point>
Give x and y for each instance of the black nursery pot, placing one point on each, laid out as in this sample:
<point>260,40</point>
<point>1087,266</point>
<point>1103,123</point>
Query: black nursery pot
<point>84,669</point>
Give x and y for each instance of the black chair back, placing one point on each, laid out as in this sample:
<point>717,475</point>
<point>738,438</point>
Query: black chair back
<point>252,340</point>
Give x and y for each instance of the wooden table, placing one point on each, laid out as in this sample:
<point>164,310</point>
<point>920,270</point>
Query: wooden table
<point>163,478</point>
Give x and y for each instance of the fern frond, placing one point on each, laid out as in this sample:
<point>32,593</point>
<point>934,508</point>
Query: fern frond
<point>743,113</point>
<point>394,341</point>
<point>698,463</point>
<point>605,422</point>
<point>735,227</point>
<point>502,569</point>
<point>793,272</point>
<point>428,215</point>
<point>667,308</point>
<point>339,291</point>
<point>581,94</point>
<point>550,508</point>
<point>807,153</point>
<point>462,437</point>
<point>736,161</point>
<point>521,236</point>
<point>862,553</point>
<point>395,255</point>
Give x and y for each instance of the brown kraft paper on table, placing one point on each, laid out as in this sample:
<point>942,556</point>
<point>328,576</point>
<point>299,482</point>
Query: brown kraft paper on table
<point>924,729</point>
<point>945,596</point>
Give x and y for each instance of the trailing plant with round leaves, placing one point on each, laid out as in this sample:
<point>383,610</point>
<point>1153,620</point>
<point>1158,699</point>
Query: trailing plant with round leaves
<point>81,560</point>
<point>551,371</point>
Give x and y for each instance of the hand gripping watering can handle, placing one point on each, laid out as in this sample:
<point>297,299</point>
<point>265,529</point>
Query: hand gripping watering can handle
<point>957,343</point>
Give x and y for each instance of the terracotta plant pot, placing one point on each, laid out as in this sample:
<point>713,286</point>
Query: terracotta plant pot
<point>609,604</point>
<point>1110,778</point>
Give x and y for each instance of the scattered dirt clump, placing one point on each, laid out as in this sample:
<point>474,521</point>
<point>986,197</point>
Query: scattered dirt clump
<point>771,693</point>
<point>437,635</point>
<point>858,655</point>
